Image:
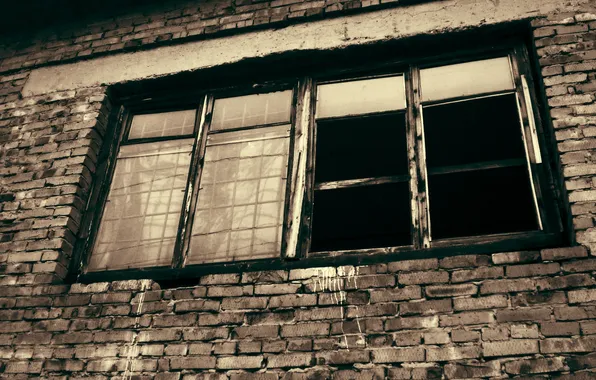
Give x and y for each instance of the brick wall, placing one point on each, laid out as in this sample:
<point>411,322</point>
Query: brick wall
<point>517,313</point>
<point>506,314</point>
<point>157,25</point>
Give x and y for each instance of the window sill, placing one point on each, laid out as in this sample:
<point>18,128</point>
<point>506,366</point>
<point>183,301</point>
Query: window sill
<point>169,277</point>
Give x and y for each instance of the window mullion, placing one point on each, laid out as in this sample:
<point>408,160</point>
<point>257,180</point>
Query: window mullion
<point>301,175</point>
<point>417,162</point>
<point>192,187</point>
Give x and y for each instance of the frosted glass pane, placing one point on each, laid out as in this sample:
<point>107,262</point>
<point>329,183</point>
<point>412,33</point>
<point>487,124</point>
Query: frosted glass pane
<point>140,221</point>
<point>249,110</point>
<point>361,96</point>
<point>239,212</point>
<point>465,79</point>
<point>162,124</point>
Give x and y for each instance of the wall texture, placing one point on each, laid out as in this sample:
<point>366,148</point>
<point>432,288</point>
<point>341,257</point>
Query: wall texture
<point>506,314</point>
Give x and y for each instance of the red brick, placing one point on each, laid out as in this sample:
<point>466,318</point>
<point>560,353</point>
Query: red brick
<point>305,329</point>
<point>452,353</point>
<point>290,360</point>
<point>559,328</point>
<point>417,278</point>
<point>467,318</point>
<point>193,362</point>
<point>239,362</point>
<point>510,348</point>
<point>398,355</point>
<point>529,314</point>
<point>556,254</point>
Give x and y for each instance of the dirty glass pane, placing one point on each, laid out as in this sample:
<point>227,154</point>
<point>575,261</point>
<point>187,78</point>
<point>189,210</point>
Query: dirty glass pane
<point>239,214</point>
<point>463,79</point>
<point>176,123</point>
<point>140,220</point>
<point>251,110</point>
<point>361,96</point>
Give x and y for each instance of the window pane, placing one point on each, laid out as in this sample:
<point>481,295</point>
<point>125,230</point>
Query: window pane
<point>361,147</point>
<point>361,96</point>
<point>239,215</point>
<point>176,123</point>
<point>249,110</point>
<point>481,202</point>
<point>140,220</point>
<point>361,217</point>
<point>467,78</point>
<point>473,131</point>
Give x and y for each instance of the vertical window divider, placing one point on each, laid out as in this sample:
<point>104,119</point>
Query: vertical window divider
<point>418,182</point>
<point>412,165</point>
<point>301,174</point>
<point>524,106</point>
<point>203,122</point>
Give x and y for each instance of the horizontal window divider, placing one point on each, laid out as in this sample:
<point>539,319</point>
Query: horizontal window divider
<point>259,126</point>
<point>362,115</point>
<point>363,252</point>
<point>237,230</point>
<point>250,140</point>
<point>238,205</point>
<point>241,179</point>
<point>349,183</point>
<point>358,78</point>
<point>459,99</point>
<point>164,153</point>
<point>478,166</point>
<point>148,140</point>
<point>466,241</point>
<point>141,216</point>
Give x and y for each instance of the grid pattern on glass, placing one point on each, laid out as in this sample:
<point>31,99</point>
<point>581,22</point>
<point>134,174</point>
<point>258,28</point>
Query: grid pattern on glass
<point>464,79</point>
<point>252,110</point>
<point>239,215</point>
<point>177,123</point>
<point>140,220</point>
<point>361,97</point>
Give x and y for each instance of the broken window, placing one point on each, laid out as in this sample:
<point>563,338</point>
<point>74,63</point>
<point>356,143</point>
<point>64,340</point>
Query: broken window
<point>478,177</point>
<point>361,190</point>
<point>419,157</point>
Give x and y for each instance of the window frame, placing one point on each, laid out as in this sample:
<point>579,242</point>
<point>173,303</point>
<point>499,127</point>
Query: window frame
<point>300,186</point>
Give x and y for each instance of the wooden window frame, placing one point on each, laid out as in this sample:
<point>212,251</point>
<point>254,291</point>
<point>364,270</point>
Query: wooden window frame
<point>298,208</point>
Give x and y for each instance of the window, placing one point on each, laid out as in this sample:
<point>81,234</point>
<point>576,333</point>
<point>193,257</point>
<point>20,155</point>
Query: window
<point>414,156</point>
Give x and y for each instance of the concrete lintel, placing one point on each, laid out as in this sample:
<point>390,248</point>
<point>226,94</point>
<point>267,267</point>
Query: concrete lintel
<point>333,33</point>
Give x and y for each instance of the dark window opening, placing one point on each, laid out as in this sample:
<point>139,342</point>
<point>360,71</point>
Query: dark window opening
<point>478,176</point>
<point>361,147</point>
<point>481,202</point>
<point>473,131</point>
<point>361,217</point>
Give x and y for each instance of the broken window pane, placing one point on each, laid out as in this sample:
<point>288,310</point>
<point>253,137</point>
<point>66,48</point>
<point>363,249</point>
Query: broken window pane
<point>361,217</point>
<point>239,215</point>
<point>463,79</point>
<point>481,202</point>
<point>472,131</point>
<point>252,110</point>
<point>361,96</point>
<point>478,177</point>
<point>176,123</point>
<point>361,147</point>
<point>140,220</point>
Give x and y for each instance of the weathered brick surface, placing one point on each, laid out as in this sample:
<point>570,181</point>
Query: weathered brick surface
<point>522,313</point>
